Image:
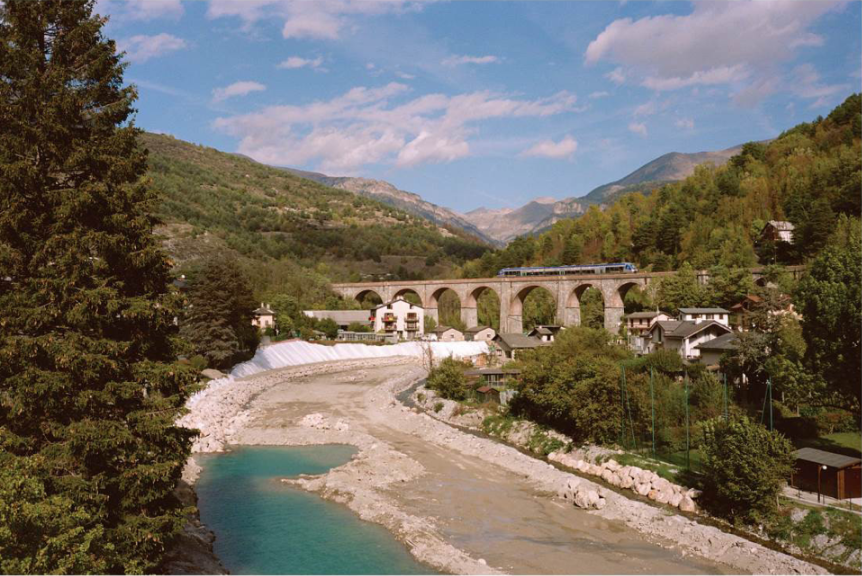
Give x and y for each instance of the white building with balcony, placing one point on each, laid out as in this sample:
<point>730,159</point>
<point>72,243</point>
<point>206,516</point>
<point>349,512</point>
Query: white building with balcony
<point>399,318</point>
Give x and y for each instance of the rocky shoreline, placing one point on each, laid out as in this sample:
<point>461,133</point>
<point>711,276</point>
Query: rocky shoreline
<point>369,483</point>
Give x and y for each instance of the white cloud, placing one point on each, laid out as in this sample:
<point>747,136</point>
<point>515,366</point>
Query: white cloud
<point>321,19</point>
<point>805,83</point>
<point>717,43</point>
<point>140,10</point>
<point>600,94</point>
<point>721,75</point>
<point>459,60</point>
<point>365,126</point>
<point>237,89</point>
<point>405,75</point>
<point>685,123</point>
<point>550,149</point>
<point>646,109</point>
<point>295,62</point>
<point>638,128</point>
<point>141,48</point>
<point>617,76</point>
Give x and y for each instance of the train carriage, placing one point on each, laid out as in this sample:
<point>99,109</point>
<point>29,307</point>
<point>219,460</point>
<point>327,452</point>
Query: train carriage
<point>612,268</point>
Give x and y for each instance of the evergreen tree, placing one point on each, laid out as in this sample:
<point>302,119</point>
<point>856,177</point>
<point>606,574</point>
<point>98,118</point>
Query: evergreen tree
<point>89,391</point>
<point>680,290</point>
<point>218,320</point>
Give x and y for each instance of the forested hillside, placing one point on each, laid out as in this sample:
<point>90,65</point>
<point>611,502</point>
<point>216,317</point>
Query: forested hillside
<point>290,234</point>
<point>809,175</point>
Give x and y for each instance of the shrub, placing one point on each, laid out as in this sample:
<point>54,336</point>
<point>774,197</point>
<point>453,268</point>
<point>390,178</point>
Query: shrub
<point>198,362</point>
<point>438,406</point>
<point>745,466</point>
<point>448,379</point>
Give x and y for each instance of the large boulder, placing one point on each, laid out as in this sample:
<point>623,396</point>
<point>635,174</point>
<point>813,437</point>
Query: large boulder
<point>675,499</point>
<point>642,488</point>
<point>612,465</point>
<point>626,481</point>
<point>687,504</point>
<point>213,374</point>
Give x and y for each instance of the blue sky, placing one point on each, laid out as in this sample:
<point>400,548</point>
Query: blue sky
<point>483,103</point>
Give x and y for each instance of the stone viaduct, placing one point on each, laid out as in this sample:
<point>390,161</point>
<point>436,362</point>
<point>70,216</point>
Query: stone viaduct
<point>512,291</point>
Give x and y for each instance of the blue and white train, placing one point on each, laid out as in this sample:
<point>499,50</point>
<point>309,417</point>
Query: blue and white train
<point>614,268</point>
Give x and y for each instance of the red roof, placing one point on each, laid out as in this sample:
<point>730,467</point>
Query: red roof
<point>485,389</point>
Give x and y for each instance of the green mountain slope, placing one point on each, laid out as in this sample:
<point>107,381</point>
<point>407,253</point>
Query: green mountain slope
<point>277,223</point>
<point>810,175</point>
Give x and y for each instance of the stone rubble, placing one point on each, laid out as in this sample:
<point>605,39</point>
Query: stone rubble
<point>362,483</point>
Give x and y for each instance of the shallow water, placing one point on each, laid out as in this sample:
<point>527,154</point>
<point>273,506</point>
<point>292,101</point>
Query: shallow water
<point>263,526</point>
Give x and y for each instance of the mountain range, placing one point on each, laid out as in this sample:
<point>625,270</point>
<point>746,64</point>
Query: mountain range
<point>500,226</point>
<point>505,224</point>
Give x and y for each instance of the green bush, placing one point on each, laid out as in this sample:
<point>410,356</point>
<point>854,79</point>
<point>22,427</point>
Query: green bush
<point>448,379</point>
<point>745,467</point>
<point>198,362</point>
<point>438,406</point>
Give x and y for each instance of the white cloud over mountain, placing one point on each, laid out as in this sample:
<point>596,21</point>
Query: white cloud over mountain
<point>364,126</point>
<point>550,149</point>
<point>719,43</point>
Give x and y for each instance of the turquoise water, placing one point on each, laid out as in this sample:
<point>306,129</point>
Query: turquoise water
<point>263,526</point>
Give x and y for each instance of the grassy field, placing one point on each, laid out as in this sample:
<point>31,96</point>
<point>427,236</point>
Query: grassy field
<point>849,443</point>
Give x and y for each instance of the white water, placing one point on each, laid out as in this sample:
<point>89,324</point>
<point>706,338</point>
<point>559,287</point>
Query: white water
<point>298,352</point>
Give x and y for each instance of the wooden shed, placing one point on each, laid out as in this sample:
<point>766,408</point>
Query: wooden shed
<point>827,473</point>
<point>488,394</point>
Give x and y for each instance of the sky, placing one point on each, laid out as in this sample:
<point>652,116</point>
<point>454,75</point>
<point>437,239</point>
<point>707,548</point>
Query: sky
<point>491,104</point>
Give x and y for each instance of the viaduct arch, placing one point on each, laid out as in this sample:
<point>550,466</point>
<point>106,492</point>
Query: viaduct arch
<point>511,292</point>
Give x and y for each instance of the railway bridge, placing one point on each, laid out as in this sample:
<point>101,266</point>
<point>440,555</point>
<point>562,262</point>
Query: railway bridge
<point>513,290</point>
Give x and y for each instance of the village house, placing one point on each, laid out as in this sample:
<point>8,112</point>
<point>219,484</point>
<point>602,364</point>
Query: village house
<point>545,332</point>
<point>711,351</point>
<point>777,231</point>
<point>480,334</point>
<point>447,334</point>
<point>684,336</point>
<point>698,315</point>
<point>639,323</point>
<point>343,318</point>
<point>482,380</point>
<point>742,312</point>
<point>400,318</point>
<point>510,344</point>
<point>263,317</point>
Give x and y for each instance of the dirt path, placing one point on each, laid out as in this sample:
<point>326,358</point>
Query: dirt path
<point>429,492</point>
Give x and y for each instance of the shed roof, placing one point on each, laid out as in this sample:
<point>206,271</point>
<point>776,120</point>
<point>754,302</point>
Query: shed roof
<point>442,329</point>
<point>341,316</point>
<point>517,340</point>
<point>476,329</point>
<point>826,458</point>
<point>779,225</point>
<point>643,315</point>
<point>484,389</point>
<point>263,311</point>
<point>686,328</point>
<point>724,342</point>
<point>492,371</point>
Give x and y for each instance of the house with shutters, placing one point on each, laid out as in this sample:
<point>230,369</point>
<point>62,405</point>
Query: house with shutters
<point>399,318</point>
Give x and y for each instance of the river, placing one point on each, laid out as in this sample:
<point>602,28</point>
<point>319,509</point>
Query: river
<point>263,526</point>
